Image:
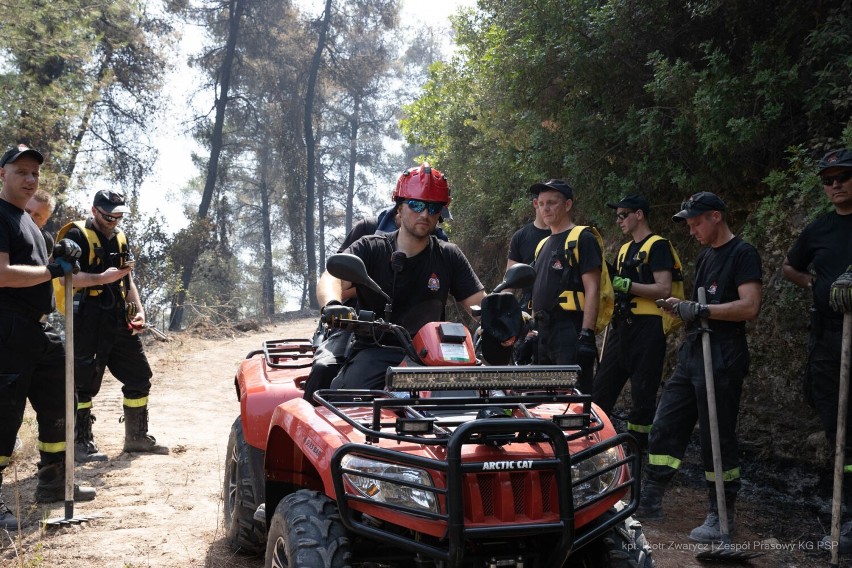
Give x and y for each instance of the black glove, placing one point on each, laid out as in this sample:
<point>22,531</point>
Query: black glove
<point>62,267</point>
<point>689,311</point>
<point>840,295</point>
<point>334,311</point>
<point>68,250</point>
<point>587,347</point>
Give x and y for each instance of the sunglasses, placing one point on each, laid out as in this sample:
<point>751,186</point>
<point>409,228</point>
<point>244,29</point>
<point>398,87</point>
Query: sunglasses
<point>839,178</point>
<point>623,216</point>
<point>109,218</point>
<point>418,206</point>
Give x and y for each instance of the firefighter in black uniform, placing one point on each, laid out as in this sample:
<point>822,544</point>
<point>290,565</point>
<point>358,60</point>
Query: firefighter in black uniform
<point>826,246</point>
<point>108,317</point>
<point>729,270</point>
<point>565,298</point>
<point>636,346</point>
<point>522,248</point>
<point>32,357</point>
<point>330,354</point>
<point>415,269</point>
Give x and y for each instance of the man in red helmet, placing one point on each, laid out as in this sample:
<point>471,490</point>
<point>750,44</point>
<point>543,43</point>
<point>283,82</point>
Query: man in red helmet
<point>418,281</point>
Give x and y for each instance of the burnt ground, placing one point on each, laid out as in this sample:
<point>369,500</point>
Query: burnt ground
<point>783,511</point>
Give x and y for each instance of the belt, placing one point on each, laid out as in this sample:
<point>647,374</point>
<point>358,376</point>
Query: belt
<point>20,310</point>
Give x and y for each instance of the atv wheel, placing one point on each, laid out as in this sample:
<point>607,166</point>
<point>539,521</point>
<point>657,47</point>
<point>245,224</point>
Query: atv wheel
<point>242,492</point>
<point>623,546</point>
<point>306,531</point>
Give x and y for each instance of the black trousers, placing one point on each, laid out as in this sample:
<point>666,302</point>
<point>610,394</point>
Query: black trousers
<point>822,384</point>
<point>365,367</point>
<point>557,344</point>
<point>102,341</point>
<point>684,402</point>
<point>32,367</point>
<point>635,350</point>
<point>328,359</point>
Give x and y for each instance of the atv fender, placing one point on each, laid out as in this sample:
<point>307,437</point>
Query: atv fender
<point>260,389</point>
<point>300,446</point>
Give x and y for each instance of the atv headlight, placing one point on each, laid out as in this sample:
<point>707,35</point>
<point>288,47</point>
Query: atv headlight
<point>381,483</point>
<point>593,476</point>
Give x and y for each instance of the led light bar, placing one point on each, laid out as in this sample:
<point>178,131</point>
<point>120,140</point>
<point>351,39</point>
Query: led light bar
<point>482,377</point>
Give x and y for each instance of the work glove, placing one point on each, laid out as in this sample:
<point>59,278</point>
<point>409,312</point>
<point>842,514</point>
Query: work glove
<point>689,311</point>
<point>134,324</point>
<point>334,311</point>
<point>840,295</point>
<point>68,250</point>
<point>622,285</point>
<point>587,348</point>
<point>61,267</point>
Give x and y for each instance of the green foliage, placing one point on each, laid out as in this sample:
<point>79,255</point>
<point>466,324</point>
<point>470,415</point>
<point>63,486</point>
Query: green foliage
<point>663,98</point>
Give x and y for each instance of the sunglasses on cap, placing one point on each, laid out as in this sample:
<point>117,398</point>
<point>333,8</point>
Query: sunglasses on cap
<point>109,218</point>
<point>418,206</point>
<point>839,178</point>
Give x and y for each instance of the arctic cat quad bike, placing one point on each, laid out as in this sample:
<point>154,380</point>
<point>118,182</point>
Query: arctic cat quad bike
<point>454,464</point>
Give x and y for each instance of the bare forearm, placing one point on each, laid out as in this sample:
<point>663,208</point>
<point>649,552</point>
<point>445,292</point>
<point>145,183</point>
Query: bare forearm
<point>797,277</point>
<point>23,276</point>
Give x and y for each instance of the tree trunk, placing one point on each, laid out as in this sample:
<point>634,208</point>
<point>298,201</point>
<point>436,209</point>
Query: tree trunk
<point>236,8</point>
<point>267,278</point>
<point>354,123</point>
<point>310,148</point>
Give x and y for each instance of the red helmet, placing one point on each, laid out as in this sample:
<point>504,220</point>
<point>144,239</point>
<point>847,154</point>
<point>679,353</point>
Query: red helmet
<point>424,183</point>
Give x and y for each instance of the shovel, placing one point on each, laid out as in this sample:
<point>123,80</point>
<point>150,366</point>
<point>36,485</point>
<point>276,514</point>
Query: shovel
<point>840,447</point>
<point>725,551</point>
<point>70,413</point>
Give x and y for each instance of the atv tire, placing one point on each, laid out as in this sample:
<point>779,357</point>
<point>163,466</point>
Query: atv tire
<point>243,492</point>
<point>307,531</point>
<point>623,546</point>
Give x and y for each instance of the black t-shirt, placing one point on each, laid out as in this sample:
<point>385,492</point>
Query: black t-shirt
<point>363,227</point>
<point>419,292</point>
<point>553,274</point>
<point>22,240</point>
<point>825,244</point>
<point>721,271</point>
<point>523,243</point>
<point>660,258</point>
<point>637,270</point>
<point>522,249</point>
<point>106,256</point>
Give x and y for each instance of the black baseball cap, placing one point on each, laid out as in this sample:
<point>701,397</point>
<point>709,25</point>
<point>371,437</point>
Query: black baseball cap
<point>110,201</point>
<point>840,158</point>
<point>632,202</point>
<point>559,185</point>
<point>21,150</point>
<point>699,203</point>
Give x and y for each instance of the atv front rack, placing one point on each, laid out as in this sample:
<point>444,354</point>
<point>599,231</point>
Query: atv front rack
<point>446,413</point>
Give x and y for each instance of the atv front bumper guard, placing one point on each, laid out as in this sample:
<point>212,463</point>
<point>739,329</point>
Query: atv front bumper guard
<point>454,471</point>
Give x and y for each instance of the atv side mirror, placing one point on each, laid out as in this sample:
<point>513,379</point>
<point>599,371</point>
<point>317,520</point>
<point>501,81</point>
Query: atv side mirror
<point>517,276</point>
<point>351,268</point>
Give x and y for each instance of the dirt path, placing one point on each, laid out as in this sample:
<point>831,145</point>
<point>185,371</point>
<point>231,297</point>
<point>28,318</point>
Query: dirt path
<point>165,511</point>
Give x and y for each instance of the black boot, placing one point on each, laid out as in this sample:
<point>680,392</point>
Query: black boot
<point>651,500</point>
<point>8,520</point>
<point>136,438</point>
<point>85,449</point>
<point>711,530</point>
<point>51,485</point>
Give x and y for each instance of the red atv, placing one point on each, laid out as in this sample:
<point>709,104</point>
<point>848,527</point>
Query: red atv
<point>454,464</point>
